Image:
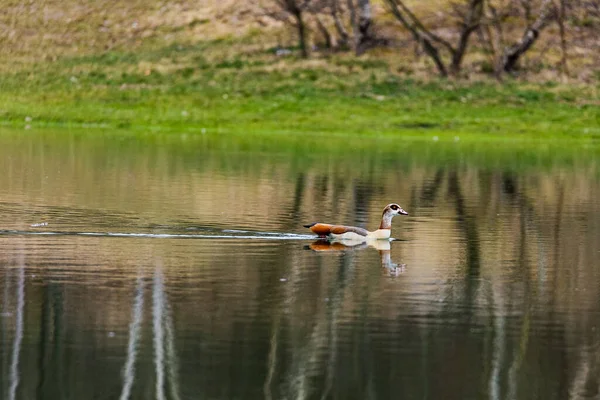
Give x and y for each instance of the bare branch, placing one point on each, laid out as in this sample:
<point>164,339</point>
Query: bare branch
<point>323,29</point>
<point>561,16</point>
<point>296,10</point>
<point>339,26</point>
<point>469,25</point>
<point>532,33</point>
<point>418,35</point>
<point>418,25</point>
<point>470,15</point>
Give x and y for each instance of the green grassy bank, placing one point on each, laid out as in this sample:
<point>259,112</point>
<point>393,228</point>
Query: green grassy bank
<point>185,88</point>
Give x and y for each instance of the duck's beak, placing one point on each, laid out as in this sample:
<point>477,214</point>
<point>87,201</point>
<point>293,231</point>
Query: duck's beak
<point>401,211</point>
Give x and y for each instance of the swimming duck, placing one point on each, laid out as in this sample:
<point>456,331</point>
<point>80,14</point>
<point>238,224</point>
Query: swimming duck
<point>341,232</point>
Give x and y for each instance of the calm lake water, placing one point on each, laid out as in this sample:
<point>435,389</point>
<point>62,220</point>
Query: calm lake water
<point>177,267</point>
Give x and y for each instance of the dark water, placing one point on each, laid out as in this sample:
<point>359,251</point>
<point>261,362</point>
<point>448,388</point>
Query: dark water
<point>177,268</point>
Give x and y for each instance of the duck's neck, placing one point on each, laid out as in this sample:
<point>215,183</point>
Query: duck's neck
<point>386,221</point>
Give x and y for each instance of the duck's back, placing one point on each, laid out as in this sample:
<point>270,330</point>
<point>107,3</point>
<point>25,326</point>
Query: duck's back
<point>328,229</point>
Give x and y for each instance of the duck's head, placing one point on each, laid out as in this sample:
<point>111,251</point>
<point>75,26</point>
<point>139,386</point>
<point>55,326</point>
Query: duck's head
<point>393,210</point>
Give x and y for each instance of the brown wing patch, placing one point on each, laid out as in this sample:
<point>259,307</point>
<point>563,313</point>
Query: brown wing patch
<point>321,229</point>
<point>339,229</point>
<point>326,229</point>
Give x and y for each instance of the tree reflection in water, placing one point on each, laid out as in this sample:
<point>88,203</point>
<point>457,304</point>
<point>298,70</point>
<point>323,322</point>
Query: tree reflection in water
<point>15,375</point>
<point>499,299</point>
<point>165,358</point>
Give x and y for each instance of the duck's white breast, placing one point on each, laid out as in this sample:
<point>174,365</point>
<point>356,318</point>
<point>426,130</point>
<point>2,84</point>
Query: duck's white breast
<point>348,236</point>
<point>380,234</point>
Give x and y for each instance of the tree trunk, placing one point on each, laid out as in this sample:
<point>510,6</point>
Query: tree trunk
<point>514,53</point>
<point>323,29</point>
<point>434,53</point>
<point>471,23</point>
<point>496,40</point>
<point>421,36</point>
<point>364,26</point>
<point>339,26</point>
<point>564,70</point>
<point>353,20</point>
<point>301,26</point>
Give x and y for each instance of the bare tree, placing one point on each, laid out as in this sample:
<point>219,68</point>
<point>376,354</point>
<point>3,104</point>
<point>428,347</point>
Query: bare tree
<point>362,21</point>
<point>353,16</point>
<point>294,10</point>
<point>561,17</point>
<point>470,13</point>
<point>336,10</point>
<point>364,29</point>
<point>323,29</point>
<point>512,54</point>
<point>359,17</point>
<point>492,33</point>
<point>324,15</point>
<point>499,20</point>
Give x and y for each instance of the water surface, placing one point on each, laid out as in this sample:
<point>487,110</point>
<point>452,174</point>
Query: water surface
<point>137,267</point>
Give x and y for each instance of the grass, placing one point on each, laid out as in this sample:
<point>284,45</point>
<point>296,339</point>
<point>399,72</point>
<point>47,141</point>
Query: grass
<point>174,88</point>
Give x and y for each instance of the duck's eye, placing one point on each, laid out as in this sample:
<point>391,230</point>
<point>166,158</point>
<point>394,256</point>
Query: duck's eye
<point>394,207</point>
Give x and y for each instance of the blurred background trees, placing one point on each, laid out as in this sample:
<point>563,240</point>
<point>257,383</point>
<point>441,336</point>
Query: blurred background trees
<point>332,19</point>
<point>446,38</point>
<point>496,34</point>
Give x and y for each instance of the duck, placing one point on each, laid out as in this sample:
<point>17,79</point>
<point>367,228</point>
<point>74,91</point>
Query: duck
<point>354,233</point>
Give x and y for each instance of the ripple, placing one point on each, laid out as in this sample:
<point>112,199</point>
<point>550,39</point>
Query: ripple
<point>255,235</point>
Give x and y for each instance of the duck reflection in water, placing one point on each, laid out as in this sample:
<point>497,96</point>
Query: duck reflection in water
<point>382,246</point>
